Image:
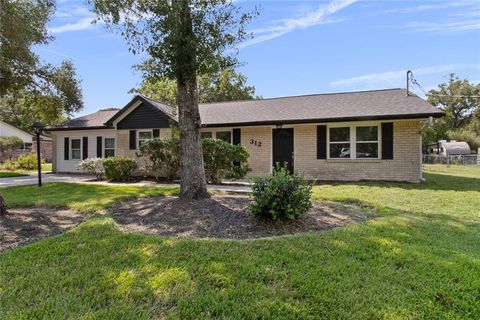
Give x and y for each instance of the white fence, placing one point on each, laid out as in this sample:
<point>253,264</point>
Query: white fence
<point>471,159</point>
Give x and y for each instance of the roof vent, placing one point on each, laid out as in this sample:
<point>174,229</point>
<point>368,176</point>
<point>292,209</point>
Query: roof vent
<point>109,109</point>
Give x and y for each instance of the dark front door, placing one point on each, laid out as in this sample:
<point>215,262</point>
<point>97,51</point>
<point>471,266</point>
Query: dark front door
<point>283,147</point>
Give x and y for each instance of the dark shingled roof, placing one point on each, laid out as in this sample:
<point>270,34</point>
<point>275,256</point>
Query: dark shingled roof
<point>329,107</point>
<point>348,106</point>
<point>94,120</point>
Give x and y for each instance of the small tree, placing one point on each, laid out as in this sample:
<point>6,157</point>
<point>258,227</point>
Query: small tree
<point>10,143</point>
<point>224,160</point>
<point>164,156</point>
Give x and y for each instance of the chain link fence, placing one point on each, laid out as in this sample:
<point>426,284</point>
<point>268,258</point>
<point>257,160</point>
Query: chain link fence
<point>471,159</point>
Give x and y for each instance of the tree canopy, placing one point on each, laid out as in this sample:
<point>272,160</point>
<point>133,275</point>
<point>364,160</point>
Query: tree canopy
<point>227,85</point>
<point>31,90</point>
<point>460,100</point>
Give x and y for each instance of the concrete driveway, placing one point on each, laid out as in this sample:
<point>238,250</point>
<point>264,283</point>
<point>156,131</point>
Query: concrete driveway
<point>31,179</point>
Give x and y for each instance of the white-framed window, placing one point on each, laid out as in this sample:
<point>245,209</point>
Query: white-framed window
<point>367,142</point>
<point>339,142</point>
<point>144,136</point>
<point>224,135</point>
<point>109,147</point>
<point>76,149</point>
<point>360,141</point>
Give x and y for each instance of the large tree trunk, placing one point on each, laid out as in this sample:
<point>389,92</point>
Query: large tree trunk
<point>192,173</point>
<point>3,207</point>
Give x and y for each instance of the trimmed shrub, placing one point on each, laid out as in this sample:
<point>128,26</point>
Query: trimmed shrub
<point>164,156</point>
<point>93,166</point>
<point>280,195</point>
<point>9,165</point>
<point>224,160</point>
<point>27,161</point>
<point>221,159</point>
<point>119,168</point>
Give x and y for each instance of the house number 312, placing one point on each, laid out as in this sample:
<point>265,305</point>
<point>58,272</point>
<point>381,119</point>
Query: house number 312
<point>256,142</point>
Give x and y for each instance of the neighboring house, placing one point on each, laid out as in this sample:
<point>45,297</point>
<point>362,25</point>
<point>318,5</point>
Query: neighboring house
<point>367,135</point>
<point>29,141</point>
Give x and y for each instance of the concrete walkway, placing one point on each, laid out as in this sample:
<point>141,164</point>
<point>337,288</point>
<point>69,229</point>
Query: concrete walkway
<point>31,179</point>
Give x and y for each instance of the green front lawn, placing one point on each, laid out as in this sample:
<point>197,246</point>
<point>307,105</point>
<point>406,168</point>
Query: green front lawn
<point>11,174</point>
<point>81,197</point>
<point>419,259</point>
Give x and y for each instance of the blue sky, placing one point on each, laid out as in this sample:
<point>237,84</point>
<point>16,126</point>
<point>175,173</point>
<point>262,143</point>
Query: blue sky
<point>300,47</point>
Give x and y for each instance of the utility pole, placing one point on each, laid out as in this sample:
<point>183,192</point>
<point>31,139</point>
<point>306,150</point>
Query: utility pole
<point>409,73</point>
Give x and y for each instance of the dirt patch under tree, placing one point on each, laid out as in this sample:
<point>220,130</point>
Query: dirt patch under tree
<point>24,225</point>
<point>225,216</point>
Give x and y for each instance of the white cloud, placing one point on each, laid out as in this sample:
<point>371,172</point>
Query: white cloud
<point>426,7</point>
<point>445,27</point>
<point>283,26</point>
<point>390,77</point>
<point>82,24</point>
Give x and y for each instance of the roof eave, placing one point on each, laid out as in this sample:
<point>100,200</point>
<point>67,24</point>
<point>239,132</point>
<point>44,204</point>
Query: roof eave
<point>79,128</point>
<point>321,120</point>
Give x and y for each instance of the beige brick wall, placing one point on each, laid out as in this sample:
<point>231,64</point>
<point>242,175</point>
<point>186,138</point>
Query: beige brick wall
<point>260,160</point>
<point>406,165</point>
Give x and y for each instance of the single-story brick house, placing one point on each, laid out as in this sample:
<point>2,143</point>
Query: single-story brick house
<point>366,135</point>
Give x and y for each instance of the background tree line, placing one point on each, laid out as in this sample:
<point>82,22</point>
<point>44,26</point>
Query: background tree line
<point>460,100</point>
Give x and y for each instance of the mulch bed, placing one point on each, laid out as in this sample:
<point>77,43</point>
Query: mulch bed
<point>226,217</point>
<point>24,225</point>
<point>222,216</point>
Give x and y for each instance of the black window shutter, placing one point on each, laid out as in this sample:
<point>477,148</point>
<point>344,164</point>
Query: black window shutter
<point>236,139</point>
<point>387,140</point>
<point>85,148</point>
<point>321,142</point>
<point>99,147</point>
<point>133,139</point>
<point>156,133</point>
<point>66,148</point>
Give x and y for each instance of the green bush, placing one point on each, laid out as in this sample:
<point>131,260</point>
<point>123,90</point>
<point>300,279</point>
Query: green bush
<point>281,195</point>
<point>9,165</point>
<point>119,168</point>
<point>221,159</point>
<point>224,160</point>
<point>164,156</point>
<point>93,166</point>
<point>27,161</point>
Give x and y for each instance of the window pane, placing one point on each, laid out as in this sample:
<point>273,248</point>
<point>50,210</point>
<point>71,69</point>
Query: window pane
<point>340,150</point>
<point>75,154</point>
<point>367,133</point>
<point>225,136</point>
<point>340,134</point>
<point>75,143</point>
<point>367,150</point>
<point>109,153</point>
<point>145,135</point>
<point>110,143</point>
<point>206,135</point>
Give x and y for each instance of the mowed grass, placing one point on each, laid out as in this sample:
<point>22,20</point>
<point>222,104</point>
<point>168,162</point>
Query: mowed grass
<point>11,174</point>
<point>419,259</point>
<point>47,167</point>
<point>82,197</point>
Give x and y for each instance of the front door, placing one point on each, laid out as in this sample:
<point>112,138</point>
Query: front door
<point>283,147</point>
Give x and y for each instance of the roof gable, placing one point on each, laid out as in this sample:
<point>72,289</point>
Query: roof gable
<point>147,105</point>
<point>144,116</point>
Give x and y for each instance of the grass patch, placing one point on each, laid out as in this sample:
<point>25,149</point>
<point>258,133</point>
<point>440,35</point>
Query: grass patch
<point>11,174</point>
<point>421,259</point>
<point>81,197</point>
